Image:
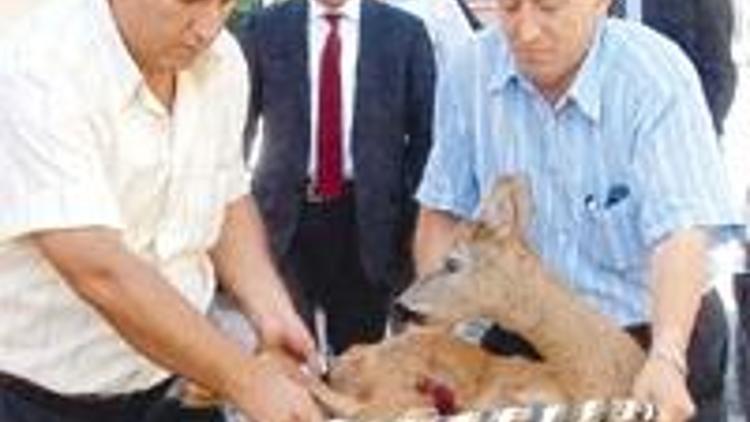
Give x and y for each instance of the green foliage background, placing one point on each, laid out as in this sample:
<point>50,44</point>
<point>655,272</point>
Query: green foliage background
<point>242,8</point>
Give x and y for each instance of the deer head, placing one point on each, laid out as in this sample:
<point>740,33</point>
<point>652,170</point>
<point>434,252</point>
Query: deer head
<point>484,269</point>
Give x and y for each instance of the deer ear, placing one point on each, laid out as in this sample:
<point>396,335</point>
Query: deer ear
<point>521,198</point>
<point>506,209</point>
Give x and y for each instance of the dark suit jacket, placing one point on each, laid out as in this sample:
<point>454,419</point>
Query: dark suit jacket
<point>703,28</point>
<point>391,128</point>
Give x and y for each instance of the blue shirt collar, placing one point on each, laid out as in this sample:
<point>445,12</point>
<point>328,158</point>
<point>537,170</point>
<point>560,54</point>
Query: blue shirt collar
<point>586,90</point>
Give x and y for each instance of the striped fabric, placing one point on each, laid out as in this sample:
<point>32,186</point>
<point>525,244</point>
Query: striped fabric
<point>627,156</point>
<point>590,411</point>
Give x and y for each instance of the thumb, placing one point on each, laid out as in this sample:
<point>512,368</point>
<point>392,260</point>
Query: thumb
<point>300,344</point>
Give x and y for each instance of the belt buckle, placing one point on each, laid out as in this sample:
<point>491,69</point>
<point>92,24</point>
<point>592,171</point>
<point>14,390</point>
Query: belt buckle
<point>312,195</point>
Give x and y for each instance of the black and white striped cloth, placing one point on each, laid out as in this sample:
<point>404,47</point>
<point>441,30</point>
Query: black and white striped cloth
<point>589,411</point>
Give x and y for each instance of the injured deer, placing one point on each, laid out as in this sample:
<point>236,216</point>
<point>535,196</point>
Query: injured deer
<point>498,276</point>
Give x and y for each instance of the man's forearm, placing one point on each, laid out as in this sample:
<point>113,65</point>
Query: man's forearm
<point>145,309</point>
<point>436,234</point>
<point>679,273</point>
<point>243,252</point>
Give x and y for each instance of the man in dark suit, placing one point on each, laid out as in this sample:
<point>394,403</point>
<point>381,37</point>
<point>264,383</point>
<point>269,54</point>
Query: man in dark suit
<point>345,91</point>
<point>703,28</point>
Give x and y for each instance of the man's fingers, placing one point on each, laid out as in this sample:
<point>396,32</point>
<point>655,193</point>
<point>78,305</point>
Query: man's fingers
<point>299,342</point>
<point>304,345</point>
<point>662,386</point>
<point>671,413</point>
<point>678,407</point>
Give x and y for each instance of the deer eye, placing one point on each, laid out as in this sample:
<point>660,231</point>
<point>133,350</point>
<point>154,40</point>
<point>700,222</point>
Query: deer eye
<point>452,265</point>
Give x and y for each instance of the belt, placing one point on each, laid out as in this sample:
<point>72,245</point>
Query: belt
<point>312,196</point>
<point>80,404</point>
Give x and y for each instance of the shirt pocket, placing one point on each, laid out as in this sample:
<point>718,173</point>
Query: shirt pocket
<point>609,237</point>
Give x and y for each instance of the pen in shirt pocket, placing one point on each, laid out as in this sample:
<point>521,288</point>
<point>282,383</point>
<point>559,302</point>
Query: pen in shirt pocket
<point>616,194</point>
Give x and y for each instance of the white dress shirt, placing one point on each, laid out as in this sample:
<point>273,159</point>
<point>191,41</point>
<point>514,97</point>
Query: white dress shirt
<point>317,31</point>
<point>12,10</point>
<point>84,142</point>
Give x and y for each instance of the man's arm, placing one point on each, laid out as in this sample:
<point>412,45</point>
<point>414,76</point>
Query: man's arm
<point>151,315</point>
<point>436,233</point>
<point>244,266</point>
<point>678,275</point>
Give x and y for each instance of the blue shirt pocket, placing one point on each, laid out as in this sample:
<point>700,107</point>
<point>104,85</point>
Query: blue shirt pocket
<point>609,236</point>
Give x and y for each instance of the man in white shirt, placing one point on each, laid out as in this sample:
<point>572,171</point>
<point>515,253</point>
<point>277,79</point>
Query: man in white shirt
<point>11,10</point>
<point>124,200</point>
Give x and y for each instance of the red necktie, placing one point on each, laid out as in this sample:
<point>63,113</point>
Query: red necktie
<point>329,178</point>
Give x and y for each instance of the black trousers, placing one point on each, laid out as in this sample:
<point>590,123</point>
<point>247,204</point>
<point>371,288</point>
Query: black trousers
<point>706,357</point>
<point>323,268</point>
<point>22,401</point>
<point>742,295</point>
<point>707,360</point>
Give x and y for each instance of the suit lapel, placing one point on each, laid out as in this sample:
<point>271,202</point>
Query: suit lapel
<point>299,77</point>
<point>365,78</point>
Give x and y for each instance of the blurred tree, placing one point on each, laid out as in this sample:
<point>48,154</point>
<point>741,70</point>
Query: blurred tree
<point>242,8</point>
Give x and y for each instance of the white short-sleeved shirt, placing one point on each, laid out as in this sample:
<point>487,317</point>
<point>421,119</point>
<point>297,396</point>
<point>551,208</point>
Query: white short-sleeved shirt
<point>83,142</point>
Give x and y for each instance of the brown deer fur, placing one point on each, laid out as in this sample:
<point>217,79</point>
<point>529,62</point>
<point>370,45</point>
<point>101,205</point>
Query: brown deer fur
<point>585,355</point>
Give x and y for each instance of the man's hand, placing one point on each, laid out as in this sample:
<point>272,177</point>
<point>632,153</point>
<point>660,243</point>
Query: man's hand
<point>660,382</point>
<point>678,274</point>
<point>283,329</point>
<point>270,393</point>
<point>245,269</point>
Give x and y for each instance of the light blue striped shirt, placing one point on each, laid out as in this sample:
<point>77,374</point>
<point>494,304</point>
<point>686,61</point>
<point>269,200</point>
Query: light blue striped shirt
<point>627,156</point>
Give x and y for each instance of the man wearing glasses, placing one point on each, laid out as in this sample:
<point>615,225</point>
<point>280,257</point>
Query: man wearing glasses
<point>608,122</point>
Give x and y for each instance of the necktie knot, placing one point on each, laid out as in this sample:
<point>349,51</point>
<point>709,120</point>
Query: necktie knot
<point>333,20</point>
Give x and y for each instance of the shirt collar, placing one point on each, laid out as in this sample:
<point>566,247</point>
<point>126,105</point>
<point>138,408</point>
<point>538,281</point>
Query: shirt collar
<point>126,76</point>
<point>350,10</point>
<point>585,91</point>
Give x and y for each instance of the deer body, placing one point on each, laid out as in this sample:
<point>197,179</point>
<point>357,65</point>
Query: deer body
<point>496,276</point>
